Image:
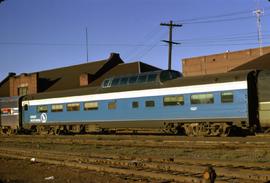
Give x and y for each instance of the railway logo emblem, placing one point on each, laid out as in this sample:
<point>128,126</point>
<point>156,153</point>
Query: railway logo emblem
<point>43,118</point>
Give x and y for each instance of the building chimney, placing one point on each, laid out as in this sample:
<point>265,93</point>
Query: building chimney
<point>84,79</point>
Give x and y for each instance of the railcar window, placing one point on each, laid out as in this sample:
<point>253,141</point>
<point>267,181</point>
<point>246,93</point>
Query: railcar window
<point>141,79</point>
<point>227,97</point>
<point>73,107</point>
<point>42,108</point>
<point>150,103</point>
<point>132,80</point>
<point>25,107</point>
<point>173,100</point>
<point>6,111</point>
<point>115,81</point>
<point>57,108</point>
<point>112,105</point>
<point>90,106</point>
<point>123,81</point>
<point>152,77</point>
<point>135,104</point>
<point>106,83</point>
<point>165,76</point>
<point>207,98</point>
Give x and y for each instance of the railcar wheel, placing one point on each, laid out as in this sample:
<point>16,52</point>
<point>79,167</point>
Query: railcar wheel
<point>6,131</point>
<point>192,129</point>
<point>217,130</point>
<point>225,132</point>
<point>196,130</point>
<point>171,128</point>
<point>9,131</point>
<point>42,130</point>
<point>188,130</point>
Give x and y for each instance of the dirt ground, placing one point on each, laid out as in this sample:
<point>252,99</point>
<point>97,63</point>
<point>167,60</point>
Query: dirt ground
<point>23,171</point>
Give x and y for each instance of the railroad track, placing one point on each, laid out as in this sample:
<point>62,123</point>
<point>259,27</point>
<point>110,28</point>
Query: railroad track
<point>170,167</point>
<point>179,170</point>
<point>146,141</point>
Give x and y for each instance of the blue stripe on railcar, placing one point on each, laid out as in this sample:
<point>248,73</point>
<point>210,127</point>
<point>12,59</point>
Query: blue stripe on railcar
<point>125,112</point>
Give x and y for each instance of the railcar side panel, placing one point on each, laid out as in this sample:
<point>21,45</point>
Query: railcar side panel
<point>151,109</point>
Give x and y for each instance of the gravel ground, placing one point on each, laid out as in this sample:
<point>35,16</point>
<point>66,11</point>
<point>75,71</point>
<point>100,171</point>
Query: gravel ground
<point>17,171</point>
<point>23,171</point>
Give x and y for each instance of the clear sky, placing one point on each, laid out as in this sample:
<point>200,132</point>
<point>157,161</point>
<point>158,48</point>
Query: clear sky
<point>38,35</point>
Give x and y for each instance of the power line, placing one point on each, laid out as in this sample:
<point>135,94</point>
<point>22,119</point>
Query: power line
<point>150,47</point>
<point>214,16</point>
<point>238,38</point>
<point>70,44</point>
<point>220,44</point>
<point>147,38</point>
<point>218,18</point>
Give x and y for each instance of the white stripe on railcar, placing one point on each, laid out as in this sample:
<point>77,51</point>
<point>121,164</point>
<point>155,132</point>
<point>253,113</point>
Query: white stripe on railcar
<point>143,93</point>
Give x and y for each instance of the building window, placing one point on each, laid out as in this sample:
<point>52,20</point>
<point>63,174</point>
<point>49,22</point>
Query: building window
<point>22,91</point>
<point>90,106</point>
<point>173,100</point>
<point>73,107</point>
<point>135,104</point>
<point>42,108</point>
<point>227,97</point>
<point>57,108</point>
<point>150,103</point>
<point>207,98</point>
<point>112,105</point>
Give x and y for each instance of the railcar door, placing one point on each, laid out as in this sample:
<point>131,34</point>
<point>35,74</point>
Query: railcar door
<point>264,98</point>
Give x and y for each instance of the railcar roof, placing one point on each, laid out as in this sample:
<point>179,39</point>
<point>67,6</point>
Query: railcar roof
<point>184,81</point>
<point>8,99</point>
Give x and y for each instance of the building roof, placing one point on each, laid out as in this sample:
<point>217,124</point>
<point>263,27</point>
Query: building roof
<point>260,63</point>
<point>69,77</point>
<point>4,85</point>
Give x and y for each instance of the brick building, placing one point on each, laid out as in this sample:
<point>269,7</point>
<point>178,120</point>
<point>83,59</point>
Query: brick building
<point>221,63</point>
<point>71,77</point>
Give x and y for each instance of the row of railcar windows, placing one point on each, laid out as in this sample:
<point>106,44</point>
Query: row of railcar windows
<point>207,98</point>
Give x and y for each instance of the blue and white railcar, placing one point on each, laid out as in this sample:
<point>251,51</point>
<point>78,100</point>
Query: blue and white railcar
<point>209,105</point>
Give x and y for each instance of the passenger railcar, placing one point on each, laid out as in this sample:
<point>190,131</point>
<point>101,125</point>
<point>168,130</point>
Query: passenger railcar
<point>202,105</point>
<point>9,117</point>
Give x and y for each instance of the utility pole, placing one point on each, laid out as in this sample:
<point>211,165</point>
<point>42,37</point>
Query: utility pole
<point>170,42</point>
<point>258,12</point>
<point>86,43</point>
